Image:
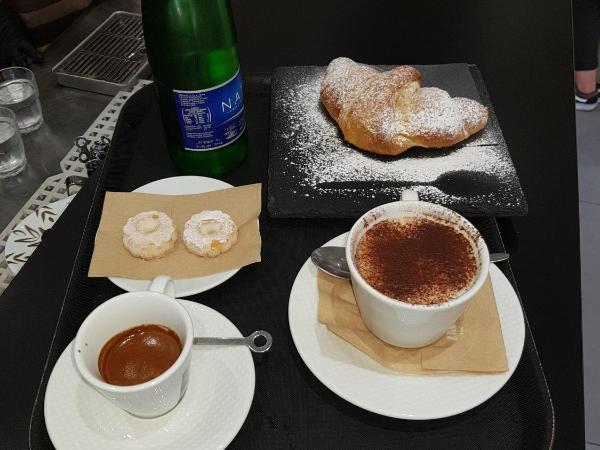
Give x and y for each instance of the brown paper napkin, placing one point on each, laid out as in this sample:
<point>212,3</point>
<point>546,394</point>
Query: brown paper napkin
<point>473,344</point>
<point>110,258</point>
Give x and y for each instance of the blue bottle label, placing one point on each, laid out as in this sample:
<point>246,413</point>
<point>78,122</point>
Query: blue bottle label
<point>211,118</point>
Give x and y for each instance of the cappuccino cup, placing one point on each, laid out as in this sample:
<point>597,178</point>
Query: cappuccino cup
<point>402,323</point>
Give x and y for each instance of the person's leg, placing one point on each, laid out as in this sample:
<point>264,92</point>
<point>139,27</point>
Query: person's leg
<point>585,81</point>
<point>586,33</point>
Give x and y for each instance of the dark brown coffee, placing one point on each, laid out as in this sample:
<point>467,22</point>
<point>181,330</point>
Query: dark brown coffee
<point>419,261</point>
<point>138,354</point>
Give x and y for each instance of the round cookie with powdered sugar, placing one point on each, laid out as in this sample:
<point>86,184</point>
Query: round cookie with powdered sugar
<point>149,234</point>
<point>210,233</point>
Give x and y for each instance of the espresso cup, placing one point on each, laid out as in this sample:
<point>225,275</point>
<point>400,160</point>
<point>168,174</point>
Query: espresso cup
<point>156,306</point>
<point>400,323</point>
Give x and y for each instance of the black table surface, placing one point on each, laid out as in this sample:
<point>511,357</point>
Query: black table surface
<point>524,51</point>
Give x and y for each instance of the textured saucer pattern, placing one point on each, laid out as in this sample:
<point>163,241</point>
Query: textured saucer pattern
<point>214,408</point>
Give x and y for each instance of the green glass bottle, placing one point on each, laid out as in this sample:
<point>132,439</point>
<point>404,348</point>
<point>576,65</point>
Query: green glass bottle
<point>192,50</point>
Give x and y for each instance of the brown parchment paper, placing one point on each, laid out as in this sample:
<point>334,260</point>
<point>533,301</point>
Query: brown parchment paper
<point>473,344</point>
<point>110,258</point>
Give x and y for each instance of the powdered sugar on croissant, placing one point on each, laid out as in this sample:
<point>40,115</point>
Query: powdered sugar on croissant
<point>389,112</point>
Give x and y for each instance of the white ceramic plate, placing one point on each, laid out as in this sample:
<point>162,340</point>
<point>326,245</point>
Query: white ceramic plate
<point>181,186</point>
<point>209,416</point>
<point>26,236</point>
<point>363,382</point>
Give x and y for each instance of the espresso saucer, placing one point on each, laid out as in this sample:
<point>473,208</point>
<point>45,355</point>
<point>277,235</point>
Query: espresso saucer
<point>360,380</point>
<point>212,411</point>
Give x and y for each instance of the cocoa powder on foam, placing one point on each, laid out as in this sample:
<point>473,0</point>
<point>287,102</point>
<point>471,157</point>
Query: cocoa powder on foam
<point>420,261</point>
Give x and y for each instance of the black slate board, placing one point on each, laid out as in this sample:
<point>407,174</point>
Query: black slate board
<point>314,173</point>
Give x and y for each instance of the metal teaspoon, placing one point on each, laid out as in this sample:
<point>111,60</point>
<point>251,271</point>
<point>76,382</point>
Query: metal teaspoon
<point>332,260</point>
<point>248,341</point>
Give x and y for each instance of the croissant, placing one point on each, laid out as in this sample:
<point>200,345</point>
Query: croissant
<point>389,112</point>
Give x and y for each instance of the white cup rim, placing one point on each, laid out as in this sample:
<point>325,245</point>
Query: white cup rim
<point>102,385</point>
<point>461,299</point>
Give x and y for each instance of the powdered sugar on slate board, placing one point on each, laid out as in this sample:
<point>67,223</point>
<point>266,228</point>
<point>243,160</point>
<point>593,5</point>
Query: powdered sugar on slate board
<point>308,149</point>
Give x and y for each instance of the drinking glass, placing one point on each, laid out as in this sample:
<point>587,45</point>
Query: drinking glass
<point>12,152</point>
<point>19,92</point>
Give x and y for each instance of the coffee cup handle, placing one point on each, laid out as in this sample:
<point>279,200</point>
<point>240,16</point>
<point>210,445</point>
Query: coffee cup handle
<point>410,196</point>
<point>163,285</point>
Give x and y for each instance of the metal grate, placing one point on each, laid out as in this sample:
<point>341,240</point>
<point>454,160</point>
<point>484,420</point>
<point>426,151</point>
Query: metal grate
<point>126,25</point>
<point>99,67</point>
<point>114,45</point>
<point>110,59</point>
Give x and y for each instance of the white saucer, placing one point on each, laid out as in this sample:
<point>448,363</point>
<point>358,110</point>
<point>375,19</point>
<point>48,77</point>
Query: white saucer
<point>181,186</point>
<point>27,235</point>
<point>211,413</point>
<point>361,381</point>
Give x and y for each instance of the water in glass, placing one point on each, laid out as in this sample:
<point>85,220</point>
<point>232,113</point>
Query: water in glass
<point>12,153</point>
<point>21,96</point>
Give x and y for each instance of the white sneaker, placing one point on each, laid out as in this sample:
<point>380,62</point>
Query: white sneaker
<point>586,104</point>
